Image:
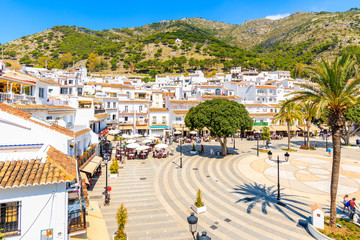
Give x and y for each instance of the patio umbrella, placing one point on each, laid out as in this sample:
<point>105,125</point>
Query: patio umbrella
<point>151,138</point>
<point>177,132</point>
<point>136,135</point>
<point>133,145</point>
<point>161,145</point>
<point>114,132</point>
<point>141,148</point>
<point>130,141</point>
<point>147,141</point>
<point>193,132</point>
<point>127,136</point>
<point>156,136</point>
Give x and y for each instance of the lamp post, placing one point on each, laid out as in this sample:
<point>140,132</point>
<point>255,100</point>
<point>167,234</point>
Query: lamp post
<point>234,141</point>
<point>181,146</point>
<point>106,159</point>
<point>192,220</point>
<point>257,148</point>
<point>278,161</point>
<point>326,143</point>
<point>304,137</point>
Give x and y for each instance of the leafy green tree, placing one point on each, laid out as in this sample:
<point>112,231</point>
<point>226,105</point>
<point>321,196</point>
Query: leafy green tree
<point>221,116</point>
<point>265,134</point>
<point>335,90</point>
<point>351,126</point>
<point>289,112</point>
<point>26,60</point>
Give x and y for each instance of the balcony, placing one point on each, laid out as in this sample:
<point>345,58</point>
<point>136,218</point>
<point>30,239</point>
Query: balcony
<point>97,111</point>
<point>76,220</point>
<point>16,98</point>
<point>87,155</point>
<point>159,123</point>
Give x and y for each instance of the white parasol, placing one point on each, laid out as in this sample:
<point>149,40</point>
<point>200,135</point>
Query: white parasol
<point>161,145</point>
<point>127,136</point>
<point>114,132</point>
<point>177,132</point>
<point>136,135</point>
<point>133,145</point>
<point>151,138</point>
<point>142,148</point>
<point>130,141</point>
<point>147,141</point>
<point>193,132</point>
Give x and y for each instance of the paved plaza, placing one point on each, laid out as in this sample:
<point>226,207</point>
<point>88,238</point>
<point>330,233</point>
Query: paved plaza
<point>239,191</point>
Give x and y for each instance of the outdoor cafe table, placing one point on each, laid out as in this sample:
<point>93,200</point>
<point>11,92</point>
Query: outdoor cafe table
<point>131,156</point>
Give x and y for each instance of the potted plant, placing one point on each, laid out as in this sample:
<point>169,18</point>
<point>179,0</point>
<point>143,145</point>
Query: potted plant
<point>199,206</point>
<point>121,219</point>
<point>193,150</point>
<point>114,168</point>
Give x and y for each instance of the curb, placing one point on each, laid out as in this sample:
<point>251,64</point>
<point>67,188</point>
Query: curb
<point>315,233</point>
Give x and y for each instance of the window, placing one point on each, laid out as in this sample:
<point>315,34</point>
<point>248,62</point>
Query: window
<point>114,116</point>
<point>164,120</point>
<point>49,118</point>
<point>41,92</point>
<point>63,91</point>
<point>126,109</point>
<point>108,104</point>
<point>70,90</point>
<point>9,217</point>
<point>114,104</point>
<point>126,119</point>
<point>140,108</point>
<point>50,90</point>
<point>154,120</point>
<point>178,119</point>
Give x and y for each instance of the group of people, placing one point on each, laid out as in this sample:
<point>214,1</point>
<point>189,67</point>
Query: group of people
<point>350,205</point>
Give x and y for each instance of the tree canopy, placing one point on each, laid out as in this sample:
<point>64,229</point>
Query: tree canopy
<point>221,116</point>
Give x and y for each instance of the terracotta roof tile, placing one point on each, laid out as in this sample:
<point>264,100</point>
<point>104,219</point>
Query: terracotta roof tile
<point>29,106</point>
<point>81,132</point>
<point>184,101</point>
<point>16,112</point>
<point>158,110</point>
<point>58,167</point>
<point>101,115</point>
<point>180,111</point>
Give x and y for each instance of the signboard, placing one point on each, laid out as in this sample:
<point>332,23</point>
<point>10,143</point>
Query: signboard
<point>260,123</point>
<point>46,234</point>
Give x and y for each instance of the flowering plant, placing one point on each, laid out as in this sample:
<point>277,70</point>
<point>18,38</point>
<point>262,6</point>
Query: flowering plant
<point>305,147</point>
<point>199,202</point>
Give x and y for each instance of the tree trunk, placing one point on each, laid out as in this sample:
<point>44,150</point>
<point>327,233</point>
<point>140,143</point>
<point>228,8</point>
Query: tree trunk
<point>223,144</point>
<point>336,137</point>
<point>308,124</point>
<point>288,127</point>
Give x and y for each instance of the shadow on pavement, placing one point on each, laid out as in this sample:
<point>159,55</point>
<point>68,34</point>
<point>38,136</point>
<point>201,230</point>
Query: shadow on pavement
<point>266,196</point>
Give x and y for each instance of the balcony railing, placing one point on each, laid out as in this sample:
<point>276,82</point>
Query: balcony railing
<point>16,98</point>
<point>159,123</point>
<point>86,155</point>
<point>76,221</point>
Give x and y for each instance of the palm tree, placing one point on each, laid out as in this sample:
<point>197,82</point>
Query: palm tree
<point>290,112</point>
<point>331,87</point>
<point>310,111</point>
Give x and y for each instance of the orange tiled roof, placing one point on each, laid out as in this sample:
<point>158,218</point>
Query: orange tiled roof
<point>112,85</point>
<point>184,101</point>
<point>158,110</point>
<point>262,114</point>
<point>133,101</point>
<point>29,106</point>
<point>57,167</point>
<point>27,116</point>
<point>274,87</point>
<point>215,96</point>
<point>81,132</point>
<point>101,115</point>
<point>180,111</point>
<point>168,94</point>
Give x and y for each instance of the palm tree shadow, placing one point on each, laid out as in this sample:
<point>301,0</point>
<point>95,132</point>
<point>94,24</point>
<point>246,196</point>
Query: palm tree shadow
<point>266,196</point>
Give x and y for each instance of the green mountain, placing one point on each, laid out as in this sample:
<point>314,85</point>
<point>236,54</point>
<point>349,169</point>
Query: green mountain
<point>264,44</point>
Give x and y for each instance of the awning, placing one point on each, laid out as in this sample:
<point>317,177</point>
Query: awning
<point>91,165</point>
<point>126,127</point>
<point>142,127</point>
<point>84,178</point>
<point>312,128</point>
<point>280,128</point>
<point>257,128</point>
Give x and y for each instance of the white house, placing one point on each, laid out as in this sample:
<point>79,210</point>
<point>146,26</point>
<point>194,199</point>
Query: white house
<point>39,193</point>
<point>159,121</point>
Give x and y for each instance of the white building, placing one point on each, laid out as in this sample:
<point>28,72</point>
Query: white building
<point>159,121</point>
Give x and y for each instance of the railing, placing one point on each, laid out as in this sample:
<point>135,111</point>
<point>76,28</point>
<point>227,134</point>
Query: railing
<point>159,123</point>
<point>143,122</point>
<point>76,221</point>
<point>86,155</point>
<point>97,111</point>
<point>16,98</point>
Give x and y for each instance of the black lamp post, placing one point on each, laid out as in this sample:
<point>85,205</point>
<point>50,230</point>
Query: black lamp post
<point>192,220</point>
<point>106,159</point>
<point>278,161</point>
<point>326,143</point>
<point>257,148</point>
<point>181,146</point>
<point>234,141</point>
<point>304,137</point>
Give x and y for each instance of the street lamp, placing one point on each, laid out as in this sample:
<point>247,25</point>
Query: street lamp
<point>234,141</point>
<point>278,161</point>
<point>257,148</point>
<point>181,146</point>
<point>106,159</point>
<point>326,143</point>
<point>192,220</point>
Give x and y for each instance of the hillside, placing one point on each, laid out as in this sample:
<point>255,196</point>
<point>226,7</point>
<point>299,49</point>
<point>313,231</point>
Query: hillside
<point>261,43</point>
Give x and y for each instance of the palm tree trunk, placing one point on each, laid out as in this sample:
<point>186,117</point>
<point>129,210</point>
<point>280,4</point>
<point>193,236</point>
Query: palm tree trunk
<point>308,123</point>
<point>336,137</point>
<point>288,127</point>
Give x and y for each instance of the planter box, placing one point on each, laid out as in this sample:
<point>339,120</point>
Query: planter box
<point>193,152</point>
<point>114,237</point>
<point>113,175</point>
<point>198,210</point>
<point>316,234</point>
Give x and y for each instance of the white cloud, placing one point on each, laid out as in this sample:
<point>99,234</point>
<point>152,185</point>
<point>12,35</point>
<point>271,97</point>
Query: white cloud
<point>277,16</point>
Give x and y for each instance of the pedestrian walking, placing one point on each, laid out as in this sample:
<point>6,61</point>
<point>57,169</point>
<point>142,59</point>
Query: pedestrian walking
<point>345,200</point>
<point>329,151</point>
<point>212,152</point>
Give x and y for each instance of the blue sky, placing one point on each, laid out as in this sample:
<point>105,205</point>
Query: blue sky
<point>23,17</point>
